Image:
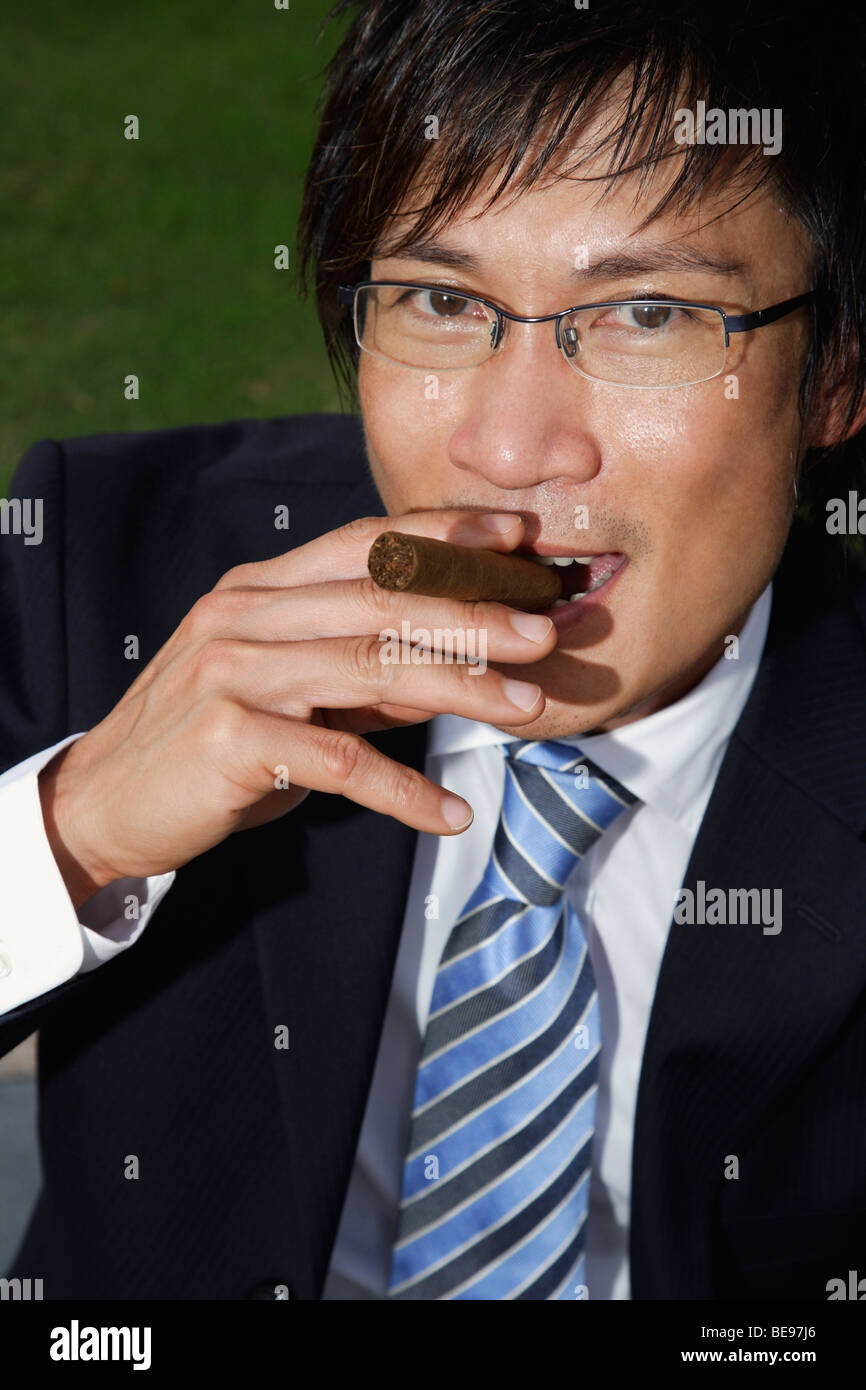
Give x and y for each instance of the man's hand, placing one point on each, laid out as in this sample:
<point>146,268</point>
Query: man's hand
<point>279,666</point>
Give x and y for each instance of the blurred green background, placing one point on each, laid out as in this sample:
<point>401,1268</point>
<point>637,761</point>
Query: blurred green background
<point>155,256</point>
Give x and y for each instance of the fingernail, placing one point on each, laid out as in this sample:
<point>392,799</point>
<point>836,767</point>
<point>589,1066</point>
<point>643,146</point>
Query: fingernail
<point>531,625</point>
<point>456,813</point>
<point>500,522</point>
<point>521,693</point>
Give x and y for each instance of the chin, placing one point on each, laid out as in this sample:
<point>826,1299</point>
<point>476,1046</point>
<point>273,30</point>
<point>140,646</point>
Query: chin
<point>560,722</point>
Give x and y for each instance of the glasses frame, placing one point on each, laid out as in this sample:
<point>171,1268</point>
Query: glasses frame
<point>732,323</point>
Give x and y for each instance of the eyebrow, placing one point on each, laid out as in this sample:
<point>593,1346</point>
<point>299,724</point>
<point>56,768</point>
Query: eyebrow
<point>614,265</point>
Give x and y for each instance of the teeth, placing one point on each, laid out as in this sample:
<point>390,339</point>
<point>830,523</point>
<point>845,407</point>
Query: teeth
<point>575,598</point>
<point>562,559</point>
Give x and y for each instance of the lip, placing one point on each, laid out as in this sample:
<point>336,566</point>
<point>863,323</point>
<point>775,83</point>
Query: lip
<point>568,617</point>
<point>528,551</point>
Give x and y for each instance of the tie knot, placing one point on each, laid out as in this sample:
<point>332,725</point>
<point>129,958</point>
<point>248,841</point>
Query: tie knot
<point>557,803</point>
<point>575,769</point>
<point>556,757</point>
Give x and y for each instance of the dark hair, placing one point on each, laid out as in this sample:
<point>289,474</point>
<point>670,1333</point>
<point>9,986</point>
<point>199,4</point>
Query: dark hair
<point>515,77</point>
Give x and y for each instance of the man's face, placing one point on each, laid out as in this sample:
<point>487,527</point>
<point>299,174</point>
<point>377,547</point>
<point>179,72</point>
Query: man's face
<point>693,485</point>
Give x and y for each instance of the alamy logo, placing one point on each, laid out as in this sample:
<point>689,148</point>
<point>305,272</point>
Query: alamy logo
<point>75,1343</point>
<point>846,520</point>
<point>22,516</point>
<point>855,1288</point>
<point>440,646</point>
<point>739,126</point>
<point>736,907</point>
<point>20,1290</point>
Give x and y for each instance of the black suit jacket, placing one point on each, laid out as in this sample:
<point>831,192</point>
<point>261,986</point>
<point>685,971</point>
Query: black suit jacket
<point>756,1045</point>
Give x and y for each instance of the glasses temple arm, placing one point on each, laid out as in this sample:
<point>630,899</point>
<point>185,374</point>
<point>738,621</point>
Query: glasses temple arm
<point>743,323</point>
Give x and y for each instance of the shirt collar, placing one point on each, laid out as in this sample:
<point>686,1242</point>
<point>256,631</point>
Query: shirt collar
<point>669,759</point>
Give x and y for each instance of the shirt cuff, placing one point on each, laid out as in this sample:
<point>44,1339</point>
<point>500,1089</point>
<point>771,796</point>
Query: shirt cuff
<point>43,941</point>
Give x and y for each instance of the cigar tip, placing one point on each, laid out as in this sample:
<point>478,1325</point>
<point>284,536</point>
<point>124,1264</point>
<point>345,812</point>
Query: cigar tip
<point>391,560</point>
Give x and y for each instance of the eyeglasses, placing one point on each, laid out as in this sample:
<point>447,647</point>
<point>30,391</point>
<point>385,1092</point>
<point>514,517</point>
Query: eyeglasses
<point>647,343</point>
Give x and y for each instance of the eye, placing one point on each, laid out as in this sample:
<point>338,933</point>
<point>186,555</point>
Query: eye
<point>646,316</point>
<point>437,303</point>
<point>442,304</point>
<point>651,315</point>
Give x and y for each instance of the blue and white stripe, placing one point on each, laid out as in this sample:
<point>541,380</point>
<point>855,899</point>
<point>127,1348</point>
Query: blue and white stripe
<point>496,1178</point>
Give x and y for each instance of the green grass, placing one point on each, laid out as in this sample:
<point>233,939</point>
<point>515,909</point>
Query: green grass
<point>155,256</point>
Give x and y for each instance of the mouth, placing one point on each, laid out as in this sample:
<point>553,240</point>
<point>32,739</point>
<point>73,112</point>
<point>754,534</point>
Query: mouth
<point>581,575</point>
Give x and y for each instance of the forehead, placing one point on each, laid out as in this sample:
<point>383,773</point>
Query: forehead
<point>587,215</point>
<point>563,217</point>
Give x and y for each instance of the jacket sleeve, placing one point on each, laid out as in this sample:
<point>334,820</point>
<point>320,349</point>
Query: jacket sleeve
<point>45,946</point>
<point>33,694</point>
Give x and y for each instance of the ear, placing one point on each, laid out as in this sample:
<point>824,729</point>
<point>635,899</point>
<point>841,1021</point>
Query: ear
<point>826,426</point>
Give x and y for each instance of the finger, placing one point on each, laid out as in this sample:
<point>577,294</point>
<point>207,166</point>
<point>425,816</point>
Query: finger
<point>342,554</point>
<point>351,608</point>
<point>351,672</point>
<point>341,764</point>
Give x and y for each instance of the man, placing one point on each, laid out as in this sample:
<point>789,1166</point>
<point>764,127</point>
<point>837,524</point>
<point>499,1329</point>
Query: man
<point>607,1039</point>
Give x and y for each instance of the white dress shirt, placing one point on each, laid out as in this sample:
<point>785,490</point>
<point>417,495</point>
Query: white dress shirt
<point>624,891</point>
<point>43,942</point>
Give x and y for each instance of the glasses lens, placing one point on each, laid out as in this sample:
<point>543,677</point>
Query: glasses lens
<point>423,327</point>
<point>645,342</point>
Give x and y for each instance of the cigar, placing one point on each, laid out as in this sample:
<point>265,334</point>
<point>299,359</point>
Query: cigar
<point>419,565</point>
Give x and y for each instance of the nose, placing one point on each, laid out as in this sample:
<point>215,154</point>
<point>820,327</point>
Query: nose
<point>524,417</point>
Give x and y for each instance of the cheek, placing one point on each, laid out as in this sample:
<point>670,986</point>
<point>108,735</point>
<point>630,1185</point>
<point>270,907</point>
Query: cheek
<point>719,451</point>
<point>713,472</point>
<point>408,417</point>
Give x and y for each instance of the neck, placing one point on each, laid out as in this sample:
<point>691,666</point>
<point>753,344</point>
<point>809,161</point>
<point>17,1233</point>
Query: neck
<point>675,689</point>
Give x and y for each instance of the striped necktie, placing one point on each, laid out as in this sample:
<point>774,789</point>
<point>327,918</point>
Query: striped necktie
<point>496,1178</point>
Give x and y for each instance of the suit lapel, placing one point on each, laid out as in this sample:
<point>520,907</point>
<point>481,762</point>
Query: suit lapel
<point>329,895</point>
<point>739,1014</point>
<point>326,889</point>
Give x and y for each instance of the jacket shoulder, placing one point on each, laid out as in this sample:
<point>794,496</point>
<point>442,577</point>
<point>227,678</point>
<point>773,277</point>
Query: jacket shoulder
<point>327,448</point>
